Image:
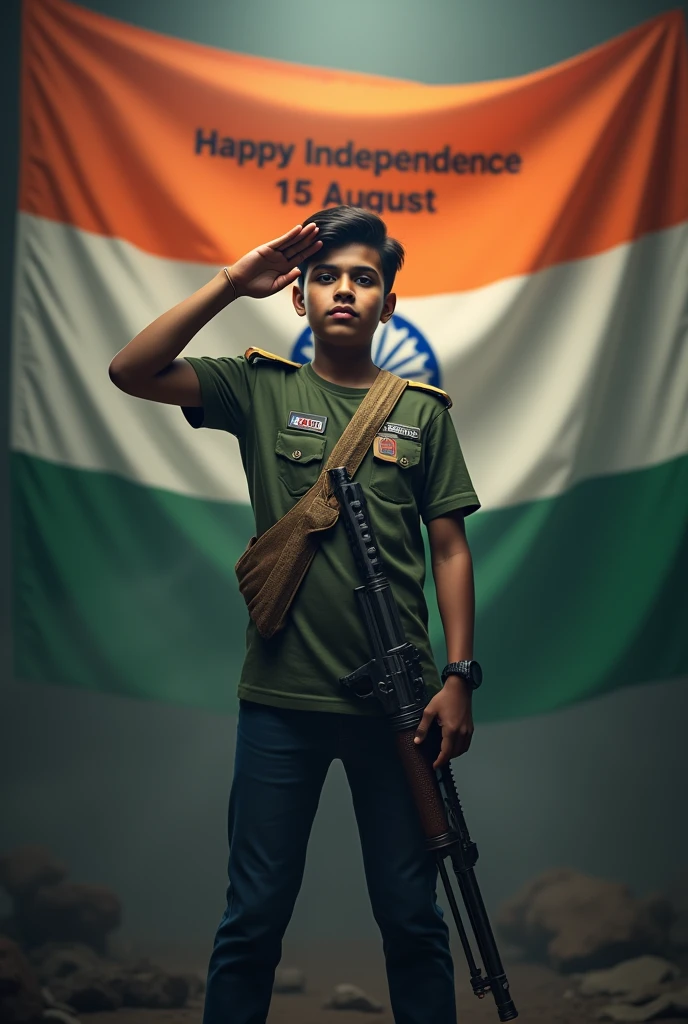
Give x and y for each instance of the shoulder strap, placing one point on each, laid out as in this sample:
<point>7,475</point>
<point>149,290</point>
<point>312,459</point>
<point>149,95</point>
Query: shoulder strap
<point>371,414</point>
<point>437,392</point>
<point>252,355</point>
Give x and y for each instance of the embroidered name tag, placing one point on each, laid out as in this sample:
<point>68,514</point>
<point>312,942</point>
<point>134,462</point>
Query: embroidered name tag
<point>402,430</point>
<point>385,448</point>
<point>307,421</point>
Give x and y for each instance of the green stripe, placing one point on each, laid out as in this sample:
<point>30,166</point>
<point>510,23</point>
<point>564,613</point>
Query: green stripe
<point>128,589</point>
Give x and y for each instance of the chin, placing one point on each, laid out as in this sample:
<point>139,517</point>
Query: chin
<point>342,329</point>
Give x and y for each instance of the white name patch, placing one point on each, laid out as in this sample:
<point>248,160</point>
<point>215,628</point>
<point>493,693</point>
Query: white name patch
<point>401,430</point>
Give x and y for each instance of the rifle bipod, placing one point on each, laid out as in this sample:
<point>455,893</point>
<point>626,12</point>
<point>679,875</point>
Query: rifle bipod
<point>446,834</point>
<point>463,854</point>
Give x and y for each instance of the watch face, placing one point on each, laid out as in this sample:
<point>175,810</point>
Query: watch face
<point>476,673</point>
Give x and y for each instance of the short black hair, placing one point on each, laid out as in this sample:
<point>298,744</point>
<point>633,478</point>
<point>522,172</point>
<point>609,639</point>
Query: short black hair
<point>343,225</point>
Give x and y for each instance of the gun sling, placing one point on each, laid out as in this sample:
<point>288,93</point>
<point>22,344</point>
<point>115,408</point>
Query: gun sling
<point>273,565</point>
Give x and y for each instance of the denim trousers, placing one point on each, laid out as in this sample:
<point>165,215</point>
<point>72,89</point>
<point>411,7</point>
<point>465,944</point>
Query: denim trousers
<point>281,761</point>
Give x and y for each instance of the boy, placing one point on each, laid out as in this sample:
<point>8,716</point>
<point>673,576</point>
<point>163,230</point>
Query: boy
<point>294,716</point>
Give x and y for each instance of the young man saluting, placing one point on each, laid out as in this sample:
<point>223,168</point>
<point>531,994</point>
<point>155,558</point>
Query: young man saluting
<point>294,716</point>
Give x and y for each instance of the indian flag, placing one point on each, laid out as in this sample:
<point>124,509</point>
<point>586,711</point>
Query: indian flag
<point>546,223</point>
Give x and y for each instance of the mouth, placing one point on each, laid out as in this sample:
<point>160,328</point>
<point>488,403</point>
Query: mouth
<point>342,313</point>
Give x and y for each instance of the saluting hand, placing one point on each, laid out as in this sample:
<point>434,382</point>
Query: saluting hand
<point>453,708</point>
<point>269,268</point>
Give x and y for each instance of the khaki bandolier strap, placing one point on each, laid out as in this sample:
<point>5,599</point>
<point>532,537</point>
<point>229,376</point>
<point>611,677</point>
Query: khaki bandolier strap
<point>272,567</point>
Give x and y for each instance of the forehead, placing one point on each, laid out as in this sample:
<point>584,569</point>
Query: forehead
<point>354,254</point>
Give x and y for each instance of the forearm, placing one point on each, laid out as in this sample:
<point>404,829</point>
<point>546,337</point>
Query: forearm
<point>456,602</point>
<point>159,344</point>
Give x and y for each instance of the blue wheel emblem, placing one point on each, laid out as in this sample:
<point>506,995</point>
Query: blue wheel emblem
<point>398,346</point>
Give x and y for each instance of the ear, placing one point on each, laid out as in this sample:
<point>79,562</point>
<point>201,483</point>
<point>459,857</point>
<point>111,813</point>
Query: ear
<point>298,300</point>
<point>388,307</point>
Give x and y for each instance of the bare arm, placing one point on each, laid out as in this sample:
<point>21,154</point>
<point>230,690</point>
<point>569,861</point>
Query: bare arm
<point>452,568</point>
<point>148,366</point>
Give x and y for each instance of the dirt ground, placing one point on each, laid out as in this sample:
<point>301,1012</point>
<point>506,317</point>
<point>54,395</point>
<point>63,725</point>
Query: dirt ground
<point>537,992</point>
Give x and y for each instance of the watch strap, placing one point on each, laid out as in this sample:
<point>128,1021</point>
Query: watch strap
<point>459,668</point>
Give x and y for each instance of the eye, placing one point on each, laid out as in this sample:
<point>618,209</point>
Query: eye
<point>324,274</point>
<point>365,279</point>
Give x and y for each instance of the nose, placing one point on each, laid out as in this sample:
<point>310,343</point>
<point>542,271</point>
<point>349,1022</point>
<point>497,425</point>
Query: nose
<point>344,289</point>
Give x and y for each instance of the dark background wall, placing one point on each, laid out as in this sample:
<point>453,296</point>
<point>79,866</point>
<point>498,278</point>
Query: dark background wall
<point>134,794</point>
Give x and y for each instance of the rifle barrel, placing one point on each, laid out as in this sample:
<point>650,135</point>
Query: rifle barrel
<point>394,677</point>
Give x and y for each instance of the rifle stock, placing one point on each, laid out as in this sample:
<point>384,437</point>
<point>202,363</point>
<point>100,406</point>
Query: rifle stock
<point>393,677</point>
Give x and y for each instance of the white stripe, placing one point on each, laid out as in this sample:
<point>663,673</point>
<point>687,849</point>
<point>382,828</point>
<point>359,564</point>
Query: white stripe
<point>573,372</point>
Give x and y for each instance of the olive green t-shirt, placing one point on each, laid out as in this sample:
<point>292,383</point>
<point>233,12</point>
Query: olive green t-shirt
<point>324,637</point>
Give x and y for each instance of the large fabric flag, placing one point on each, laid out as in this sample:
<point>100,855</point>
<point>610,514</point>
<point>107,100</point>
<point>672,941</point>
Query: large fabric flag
<point>546,223</point>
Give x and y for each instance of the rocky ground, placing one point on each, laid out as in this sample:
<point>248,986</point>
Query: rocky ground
<point>577,949</point>
<point>541,995</point>
<point>537,991</point>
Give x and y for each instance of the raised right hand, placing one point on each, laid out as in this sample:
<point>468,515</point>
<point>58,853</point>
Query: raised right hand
<point>269,268</point>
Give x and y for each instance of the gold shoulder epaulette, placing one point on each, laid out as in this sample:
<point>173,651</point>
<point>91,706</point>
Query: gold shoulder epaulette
<point>252,354</point>
<point>438,392</point>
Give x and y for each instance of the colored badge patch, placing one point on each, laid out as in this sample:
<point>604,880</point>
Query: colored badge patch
<point>385,448</point>
<point>307,421</point>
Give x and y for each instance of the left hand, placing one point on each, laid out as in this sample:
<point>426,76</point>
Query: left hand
<point>452,707</point>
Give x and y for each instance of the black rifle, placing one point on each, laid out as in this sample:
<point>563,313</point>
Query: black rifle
<point>394,677</point>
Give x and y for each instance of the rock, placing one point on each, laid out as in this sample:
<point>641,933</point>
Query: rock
<point>680,1002</point>
<point>59,959</point>
<point>678,896</point>
<point>20,994</point>
<point>635,977</point>
<point>678,935</point>
<point>51,1003</point>
<point>577,922</point>
<point>89,991</point>
<point>26,868</point>
<point>642,996</point>
<point>669,1004</point>
<point>155,990</point>
<point>110,985</point>
<point>71,912</point>
<point>289,979</point>
<point>350,997</point>
<point>659,1007</point>
<point>658,909</point>
<point>196,986</point>
<point>61,1016</point>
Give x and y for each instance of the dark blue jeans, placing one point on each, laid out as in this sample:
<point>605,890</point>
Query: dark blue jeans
<point>282,758</point>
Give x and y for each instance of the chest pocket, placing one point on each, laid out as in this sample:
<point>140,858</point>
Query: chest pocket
<point>299,460</point>
<point>393,481</point>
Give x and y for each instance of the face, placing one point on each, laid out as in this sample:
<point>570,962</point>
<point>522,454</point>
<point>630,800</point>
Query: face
<point>344,296</point>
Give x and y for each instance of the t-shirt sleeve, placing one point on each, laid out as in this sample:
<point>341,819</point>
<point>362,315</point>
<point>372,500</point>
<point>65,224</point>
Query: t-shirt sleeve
<point>447,483</point>
<point>225,393</point>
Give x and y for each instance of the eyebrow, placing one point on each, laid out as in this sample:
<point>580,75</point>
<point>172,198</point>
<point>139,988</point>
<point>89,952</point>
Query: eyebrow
<point>333,266</point>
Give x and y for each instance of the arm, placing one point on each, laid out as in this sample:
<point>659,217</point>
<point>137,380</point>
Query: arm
<point>452,569</point>
<point>148,366</point>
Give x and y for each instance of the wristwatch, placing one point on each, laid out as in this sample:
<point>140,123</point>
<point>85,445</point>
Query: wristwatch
<point>468,670</point>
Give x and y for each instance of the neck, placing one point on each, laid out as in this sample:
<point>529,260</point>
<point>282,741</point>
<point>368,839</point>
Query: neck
<point>348,368</point>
